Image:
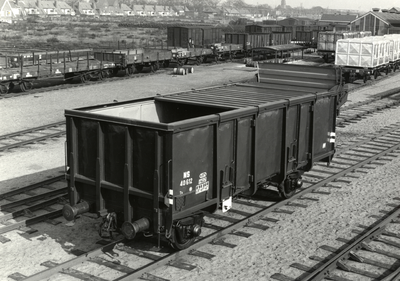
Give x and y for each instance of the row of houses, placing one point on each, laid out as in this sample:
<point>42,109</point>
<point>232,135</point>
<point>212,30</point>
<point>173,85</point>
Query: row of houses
<point>14,9</point>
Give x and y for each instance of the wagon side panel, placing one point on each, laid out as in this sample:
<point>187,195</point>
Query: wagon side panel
<point>192,168</point>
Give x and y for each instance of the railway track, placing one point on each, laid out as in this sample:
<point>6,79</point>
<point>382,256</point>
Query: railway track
<point>31,136</point>
<point>372,255</point>
<point>350,162</point>
<point>17,207</point>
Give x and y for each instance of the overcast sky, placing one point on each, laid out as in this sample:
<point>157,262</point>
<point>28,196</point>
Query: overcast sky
<point>363,5</point>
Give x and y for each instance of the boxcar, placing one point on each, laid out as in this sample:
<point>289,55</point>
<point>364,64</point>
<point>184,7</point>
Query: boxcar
<point>256,28</point>
<point>200,36</point>
<point>280,38</point>
<point>248,40</point>
<point>158,164</point>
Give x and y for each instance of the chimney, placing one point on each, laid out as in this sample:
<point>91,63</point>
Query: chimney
<point>384,10</point>
<point>375,9</point>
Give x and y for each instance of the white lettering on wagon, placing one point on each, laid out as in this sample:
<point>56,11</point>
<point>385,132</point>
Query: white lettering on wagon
<point>202,187</point>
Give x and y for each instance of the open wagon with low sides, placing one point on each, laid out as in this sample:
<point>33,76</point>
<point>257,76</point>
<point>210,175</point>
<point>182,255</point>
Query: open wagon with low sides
<point>157,165</point>
<point>66,65</point>
<point>134,60</point>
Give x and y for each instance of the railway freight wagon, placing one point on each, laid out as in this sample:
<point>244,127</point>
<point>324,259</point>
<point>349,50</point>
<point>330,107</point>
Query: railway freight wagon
<point>257,28</point>
<point>194,36</point>
<point>132,60</point>
<point>248,40</point>
<point>157,165</point>
<point>362,57</point>
<point>13,59</point>
<point>326,44</point>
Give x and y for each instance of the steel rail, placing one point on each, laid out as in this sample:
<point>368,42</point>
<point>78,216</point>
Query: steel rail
<point>32,198</point>
<point>213,236</point>
<point>324,270</point>
<point>30,187</point>
<point>23,212</point>
<point>32,130</point>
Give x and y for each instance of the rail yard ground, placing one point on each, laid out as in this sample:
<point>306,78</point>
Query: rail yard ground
<point>293,239</point>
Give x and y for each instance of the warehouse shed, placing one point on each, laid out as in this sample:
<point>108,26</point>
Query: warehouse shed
<point>379,22</point>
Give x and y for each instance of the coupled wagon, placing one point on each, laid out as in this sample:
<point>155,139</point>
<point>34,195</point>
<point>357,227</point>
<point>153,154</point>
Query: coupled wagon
<point>134,60</point>
<point>363,58</point>
<point>67,65</point>
<point>157,165</point>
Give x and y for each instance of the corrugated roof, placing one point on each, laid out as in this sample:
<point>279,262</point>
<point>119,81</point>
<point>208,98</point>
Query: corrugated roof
<point>46,4</point>
<point>389,18</point>
<point>62,5</point>
<point>338,18</point>
<point>279,48</point>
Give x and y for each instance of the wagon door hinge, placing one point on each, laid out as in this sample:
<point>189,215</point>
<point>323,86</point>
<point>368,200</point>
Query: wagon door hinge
<point>253,122</point>
<point>251,178</point>
<point>312,108</point>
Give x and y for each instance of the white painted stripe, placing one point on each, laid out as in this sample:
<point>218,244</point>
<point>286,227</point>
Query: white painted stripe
<point>171,201</point>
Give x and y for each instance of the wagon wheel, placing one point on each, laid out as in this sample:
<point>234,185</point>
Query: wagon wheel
<point>199,60</point>
<point>156,66</point>
<point>286,191</point>
<point>166,63</point>
<point>11,86</point>
<point>139,68</point>
<point>395,66</point>
<point>104,74</point>
<point>365,78</point>
<point>205,59</point>
<point>376,74</point>
<point>3,89</point>
<point>387,70</point>
<point>26,86</point>
<point>152,68</point>
<point>178,242</point>
<point>186,61</point>
<point>83,78</point>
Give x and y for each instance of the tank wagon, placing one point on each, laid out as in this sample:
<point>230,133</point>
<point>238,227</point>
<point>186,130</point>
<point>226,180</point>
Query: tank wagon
<point>157,165</point>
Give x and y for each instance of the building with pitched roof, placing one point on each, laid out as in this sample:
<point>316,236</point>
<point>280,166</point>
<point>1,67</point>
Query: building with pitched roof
<point>179,10</point>
<point>47,7</point>
<point>63,8</point>
<point>8,11</point>
<point>125,10</point>
<point>149,10</point>
<point>84,8</point>
<point>378,22</point>
<point>138,10</point>
<point>337,19</point>
<point>28,7</point>
<point>159,11</point>
<point>231,12</point>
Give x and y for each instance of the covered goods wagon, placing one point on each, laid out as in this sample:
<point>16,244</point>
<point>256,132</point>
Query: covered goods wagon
<point>159,164</point>
<point>260,28</point>
<point>367,52</point>
<point>248,40</point>
<point>193,36</point>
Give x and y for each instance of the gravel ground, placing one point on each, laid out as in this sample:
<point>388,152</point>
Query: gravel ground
<point>293,239</point>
